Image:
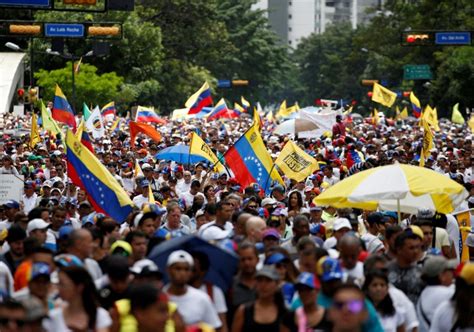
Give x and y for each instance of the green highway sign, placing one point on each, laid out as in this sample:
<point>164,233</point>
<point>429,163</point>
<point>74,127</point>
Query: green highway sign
<point>417,72</point>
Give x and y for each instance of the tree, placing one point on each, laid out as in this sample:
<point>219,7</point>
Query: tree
<point>91,87</point>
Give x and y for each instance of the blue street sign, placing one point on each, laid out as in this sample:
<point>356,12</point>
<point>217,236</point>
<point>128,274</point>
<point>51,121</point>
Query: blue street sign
<point>223,84</point>
<point>63,30</point>
<point>453,38</point>
<point>26,3</point>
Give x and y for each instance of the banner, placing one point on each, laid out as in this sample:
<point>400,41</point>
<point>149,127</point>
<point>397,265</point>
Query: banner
<point>295,163</point>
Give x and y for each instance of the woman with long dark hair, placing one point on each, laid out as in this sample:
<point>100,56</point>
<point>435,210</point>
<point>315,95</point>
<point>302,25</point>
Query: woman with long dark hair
<point>265,313</point>
<point>295,204</point>
<point>376,290</point>
<point>80,311</point>
<point>457,314</point>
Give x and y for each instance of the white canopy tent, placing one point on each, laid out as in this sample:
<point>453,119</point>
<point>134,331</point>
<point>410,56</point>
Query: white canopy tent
<point>11,77</point>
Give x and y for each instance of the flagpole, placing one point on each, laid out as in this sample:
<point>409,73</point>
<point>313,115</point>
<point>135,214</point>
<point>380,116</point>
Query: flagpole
<point>223,156</point>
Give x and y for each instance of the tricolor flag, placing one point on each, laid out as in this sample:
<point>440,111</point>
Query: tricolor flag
<point>239,109</point>
<point>62,111</point>
<point>415,104</point>
<point>83,136</point>
<point>109,111</point>
<point>222,112</point>
<point>245,103</point>
<point>199,99</point>
<point>103,190</point>
<point>250,161</point>
<point>145,114</point>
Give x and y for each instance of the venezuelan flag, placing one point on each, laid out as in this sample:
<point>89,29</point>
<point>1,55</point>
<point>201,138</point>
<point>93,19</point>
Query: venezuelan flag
<point>250,161</point>
<point>145,114</point>
<point>415,104</point>
<point>245,103</point>
<point>103,190</point>
<point>221,112</point>
<point>199,99</point>
<point>62,111</point>
<point>108,109</point>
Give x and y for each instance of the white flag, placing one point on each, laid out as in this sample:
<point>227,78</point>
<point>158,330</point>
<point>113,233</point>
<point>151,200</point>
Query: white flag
<point>323,121</point>
<point>95,124</point>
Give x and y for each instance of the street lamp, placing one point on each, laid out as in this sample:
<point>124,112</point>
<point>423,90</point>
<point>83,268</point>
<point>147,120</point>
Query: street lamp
<point>73,58</point>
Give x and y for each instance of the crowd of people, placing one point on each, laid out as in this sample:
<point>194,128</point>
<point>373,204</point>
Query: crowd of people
<point>301,266</point>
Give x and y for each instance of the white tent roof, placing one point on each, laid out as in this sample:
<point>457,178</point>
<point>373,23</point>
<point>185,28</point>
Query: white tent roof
<point>11,74</point>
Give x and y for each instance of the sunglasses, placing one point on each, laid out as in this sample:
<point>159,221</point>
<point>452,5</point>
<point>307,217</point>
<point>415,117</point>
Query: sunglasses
<point>252,206</point>
<point>353,306</point>
<point>6,321</point>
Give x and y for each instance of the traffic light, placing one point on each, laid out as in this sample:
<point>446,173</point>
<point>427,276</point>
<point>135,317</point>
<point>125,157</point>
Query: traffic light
<point>25,29</point>
<point>20,94</point>
<point>240,83</point>
<point>406,94</point>
<point>114,31</point>
<point>417,38</point>
<point>370,94</point>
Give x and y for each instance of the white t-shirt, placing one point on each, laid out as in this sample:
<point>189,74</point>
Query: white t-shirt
<point>56,320</point>
<point>217,298</point>
<point>140,200</point>
<point>429,300</point>
<point>390,323</point>
<point>443,319</point>
<point>400,300</point>
<point>195,307</point>
<point>357,273</point>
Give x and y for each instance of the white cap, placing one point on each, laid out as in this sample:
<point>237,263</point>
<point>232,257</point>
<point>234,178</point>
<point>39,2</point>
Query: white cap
<point>146,165</point>
<point>180,256</point>
<point>35,224</point>
<point>341,223</point>
<point>214,233</point>
<point>268,201</point>
<point>144,265</point>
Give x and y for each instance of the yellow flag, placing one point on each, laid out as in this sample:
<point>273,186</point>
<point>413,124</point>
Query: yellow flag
<point>430,115</point>
<point>375,117</point>
<point>151,198</point>
<point>49,123</point>
<point>34,134</point>
<point>427,142</point>
<point>256,118</point>
<point>239,108</point>
<point>138,170</point>
<point>349,111</point>
<point>457,116</point>
<point>464,222</point>
<point>269,116</point>
<point>295,163</point>
<point>282,110</point>
<point>383,96</point>
<point>404,113</point>
<point>200,148</point>
<point>471,123</point>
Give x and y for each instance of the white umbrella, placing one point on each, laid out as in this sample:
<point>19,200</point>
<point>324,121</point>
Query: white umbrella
<point>294,126</point>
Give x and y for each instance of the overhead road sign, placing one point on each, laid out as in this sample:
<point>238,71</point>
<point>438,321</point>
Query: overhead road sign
<point>417,72</point>
<point>39,4</point>
<point>63,30</point>
<point>453,38</point>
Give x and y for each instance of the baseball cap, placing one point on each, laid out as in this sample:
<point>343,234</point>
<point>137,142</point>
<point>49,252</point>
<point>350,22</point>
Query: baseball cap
<point>269,272</point>
<point>434,265</point>
<point>64,231</point>
<point>199,213</point>
<point>12,204</point>
<point>279,188</point>
<point>39,269</point>
<point>268,201</point>
<point>416,230</point>
<point>47,183</point>
<point>146,166</point>
<point>280,212</point>
<point>35,224</point>
<point>214,233</point>
<point>121,247</point>
<point>275,258</point>
<point>65,260</point>
<point>29,184</point>
<point>144,183</point>
<point>145,267</point>
<point>309,280</point>
<point>271,232</point>
<point>315,208</point>
<point>341,223</point>
<point>142,151</point>
<point>329,269</point>
<point>180,256</point>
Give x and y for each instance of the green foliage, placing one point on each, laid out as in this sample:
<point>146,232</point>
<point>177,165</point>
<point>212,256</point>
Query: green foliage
<point>91,87</point>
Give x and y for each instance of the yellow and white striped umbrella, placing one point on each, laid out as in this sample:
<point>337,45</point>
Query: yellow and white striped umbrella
<point>397,187</point>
